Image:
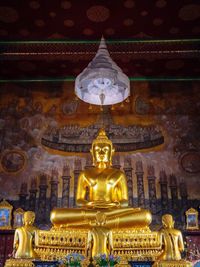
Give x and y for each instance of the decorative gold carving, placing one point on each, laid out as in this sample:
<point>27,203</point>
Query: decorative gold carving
<point>181,263</point>
<point>129,244</point>
<point>136,244</point>
<point>57,243</point>
<point>19,263</point>
<point>192,219</point>
<point>5,215</point>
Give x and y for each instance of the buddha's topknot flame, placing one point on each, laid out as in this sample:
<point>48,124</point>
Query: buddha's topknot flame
<point>102,137</point>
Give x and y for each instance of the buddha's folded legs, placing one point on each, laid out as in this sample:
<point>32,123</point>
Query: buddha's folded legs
<point>130,218</point>
<point>71,217</point>
<point>125,217</point>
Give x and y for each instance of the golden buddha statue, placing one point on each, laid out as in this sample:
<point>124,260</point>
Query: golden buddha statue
<point>172,240</point>
<point>172,245</point>
<point>100,240</point>
<point>24,239</point>
<point>108,194</point>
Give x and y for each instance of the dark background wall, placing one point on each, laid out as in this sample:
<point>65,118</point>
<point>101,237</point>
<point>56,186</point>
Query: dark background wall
<point>163,178</point>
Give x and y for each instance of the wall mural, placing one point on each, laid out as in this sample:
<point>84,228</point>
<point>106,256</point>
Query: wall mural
<point>73,138</point>
<point>13,161</point>
<point>45,136</point>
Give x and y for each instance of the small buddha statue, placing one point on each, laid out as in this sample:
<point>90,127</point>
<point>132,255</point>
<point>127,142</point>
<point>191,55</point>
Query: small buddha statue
<point>100,237</point>
<point>172,245</point>
<point>172,240</point>
<point>108,194</point>
<point>24,239</point>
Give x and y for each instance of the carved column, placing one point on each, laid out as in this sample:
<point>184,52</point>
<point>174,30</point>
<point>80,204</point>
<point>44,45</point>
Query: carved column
<point>54,189</point>
<point>33,193</point>
<point>140,184</point>
<point>174,191</point>
<point>2,136</point>
<point>88,162</point>
<point>152,188</point>
<point>23,195</point>
<point>116,162</point>
<point>128,171</point>
<point>65,186</point>
<point>77,170</point>
<point>184,198</point>
<point>42,200</point>
<point>88,166</point>
<point>164,191</point>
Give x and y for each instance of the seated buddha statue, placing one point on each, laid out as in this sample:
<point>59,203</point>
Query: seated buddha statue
<point>100,241</point>
<point>24,239</point>
<point>172,240</point>
<point>108,194</point>
<point>172,245</point>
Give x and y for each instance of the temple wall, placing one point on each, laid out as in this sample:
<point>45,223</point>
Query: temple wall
<point>28,111</point>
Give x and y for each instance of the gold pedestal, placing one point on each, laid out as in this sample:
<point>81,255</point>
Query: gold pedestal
<point>136,244</point>
<point>181,263</point>
<point>19,263</point>
<point>55,244</point>
<point>129,244</point>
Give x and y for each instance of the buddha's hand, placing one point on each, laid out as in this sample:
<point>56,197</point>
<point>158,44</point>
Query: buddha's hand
<point>102,204</point>
<point>90,205</point>
<point>123,203</point>
<point>136,209</point>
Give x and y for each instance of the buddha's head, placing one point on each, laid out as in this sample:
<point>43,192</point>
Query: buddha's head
<point>102,149</point>
<point>29,218</point>
<point>167,221</point>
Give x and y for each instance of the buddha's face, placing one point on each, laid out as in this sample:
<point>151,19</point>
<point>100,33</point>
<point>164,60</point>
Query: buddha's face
<point>102,152</point>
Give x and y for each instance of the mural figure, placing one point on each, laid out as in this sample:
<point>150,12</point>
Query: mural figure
<point>70,108</point>
<point>13,161</point>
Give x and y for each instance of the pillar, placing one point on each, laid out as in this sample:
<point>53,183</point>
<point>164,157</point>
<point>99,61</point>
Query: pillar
<point>128,171</point>
<point>116,162</point>
<point>164,191</point>
<point>152,188</point>
<point>174,191</point>
<point>54,189</point>
<point>77,170</point>
<point>88,162</point>
<point>23,195</point>
<point>65,186</point>
<point>140,184</point>
<point>184,199</point>
<point>33,194</point>
<point>88,165</point>
<point>42,200</point>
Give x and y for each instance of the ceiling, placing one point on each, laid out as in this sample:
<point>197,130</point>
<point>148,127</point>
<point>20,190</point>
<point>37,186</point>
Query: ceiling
<point>55,40</point>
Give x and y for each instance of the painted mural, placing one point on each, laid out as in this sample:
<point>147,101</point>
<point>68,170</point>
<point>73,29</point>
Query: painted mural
<point>46,132</point>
